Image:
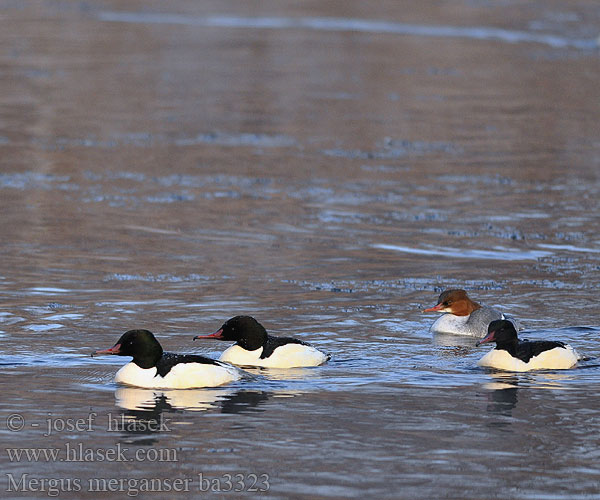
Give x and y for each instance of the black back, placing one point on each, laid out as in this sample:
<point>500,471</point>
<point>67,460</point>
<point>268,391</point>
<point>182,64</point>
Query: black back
<point>168,360</point>
<point>525,349</point>
<point>273,343</point>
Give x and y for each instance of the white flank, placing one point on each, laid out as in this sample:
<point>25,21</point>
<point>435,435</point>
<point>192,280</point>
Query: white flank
<point>285,356</point>
<point>449,323</point>
<point>181,376</point>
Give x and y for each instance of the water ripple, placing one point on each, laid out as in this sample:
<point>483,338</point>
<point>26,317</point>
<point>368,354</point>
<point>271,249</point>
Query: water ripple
<point>500,254</point>
<point>355,25</point>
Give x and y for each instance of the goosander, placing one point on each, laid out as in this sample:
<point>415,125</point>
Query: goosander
<point>463,315</point>
<point>512,354</point>
<point>254,347</point>
<point>152,368</point>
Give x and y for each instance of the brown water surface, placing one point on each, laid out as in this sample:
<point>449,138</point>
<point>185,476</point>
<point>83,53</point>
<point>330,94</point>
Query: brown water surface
<point>327,167</point>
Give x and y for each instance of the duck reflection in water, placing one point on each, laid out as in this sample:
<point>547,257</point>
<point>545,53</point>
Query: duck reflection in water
<point>502,396</point>
<point>148,405</point>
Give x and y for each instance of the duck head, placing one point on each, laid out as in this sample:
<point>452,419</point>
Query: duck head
<point>245,330</point>
<point>141,345</point>
<point>455,301</point>
<point>500,331</point>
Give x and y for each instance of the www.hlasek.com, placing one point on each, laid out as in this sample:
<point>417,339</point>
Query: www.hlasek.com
<point>77,452</point>
<point>53,487</point>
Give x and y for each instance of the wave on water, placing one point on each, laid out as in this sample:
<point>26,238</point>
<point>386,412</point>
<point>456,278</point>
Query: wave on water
<point>355,25</point>
<point>498,254</point>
